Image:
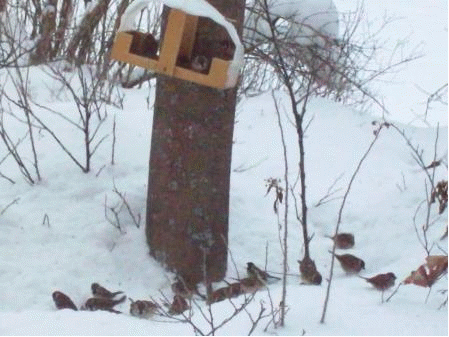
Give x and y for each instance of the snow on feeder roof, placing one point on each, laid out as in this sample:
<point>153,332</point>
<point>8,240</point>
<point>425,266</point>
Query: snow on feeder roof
<point>179,37</point>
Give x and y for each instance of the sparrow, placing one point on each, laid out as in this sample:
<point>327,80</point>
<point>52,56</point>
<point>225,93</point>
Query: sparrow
<point>433,164</point>
<point>251,285</point>
<point>200,63</point>
<point>62,301</point>
<point>182,288</point>
<point>143,44</point>
<point>99,291</point>
<point>309,273</point>
<point>381,281</point>
<point>234,289</point>
<point>350,263</point>
<point>143,308</point>
<point>218,295</point>
<point>255,272</point>
<point>178,306</point>
<point>101,303</point>
<point>342,240</point>
<point>314,278</point>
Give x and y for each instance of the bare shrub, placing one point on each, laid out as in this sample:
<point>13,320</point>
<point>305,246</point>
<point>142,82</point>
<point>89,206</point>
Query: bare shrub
<point>240,302</point>
<point>284,52</point>
<point>435,191</point>
<point>114,213</point>
<point>15,45</point>
<point>340,213</point>
<point>20,83</point>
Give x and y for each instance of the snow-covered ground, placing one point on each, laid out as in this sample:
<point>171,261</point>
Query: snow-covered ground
<point>56,237</point>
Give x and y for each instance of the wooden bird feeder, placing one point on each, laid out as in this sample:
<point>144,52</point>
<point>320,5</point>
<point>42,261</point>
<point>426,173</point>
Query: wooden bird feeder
<point>178,41</point>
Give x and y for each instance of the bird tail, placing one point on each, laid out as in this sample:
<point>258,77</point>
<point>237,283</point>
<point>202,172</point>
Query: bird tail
<point>116,293</point>
<point>114,311</point>
<point>121,300</point>
<point>270,279</point>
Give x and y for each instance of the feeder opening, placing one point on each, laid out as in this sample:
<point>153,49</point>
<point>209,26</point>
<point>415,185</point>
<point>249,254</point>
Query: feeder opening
<point>143,44</point>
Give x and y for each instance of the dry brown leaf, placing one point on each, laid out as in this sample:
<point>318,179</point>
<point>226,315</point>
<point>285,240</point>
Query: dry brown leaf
<point>418,277</point>
<point>437,265</point>
<point>428,273</point>
<point>437,261</point>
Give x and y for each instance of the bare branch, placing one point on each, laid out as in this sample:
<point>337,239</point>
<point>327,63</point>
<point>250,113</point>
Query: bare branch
<point>285,236</point>
<point>327,197</point>
<point>15,201</point>
<point>340,212</point>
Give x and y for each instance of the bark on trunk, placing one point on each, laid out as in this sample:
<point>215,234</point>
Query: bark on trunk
<point>188,190</point>
<point>2,6</point>
<point>65,17</point>
<point>83,38</point>
<point>42,52</point>
<point>2,10</point>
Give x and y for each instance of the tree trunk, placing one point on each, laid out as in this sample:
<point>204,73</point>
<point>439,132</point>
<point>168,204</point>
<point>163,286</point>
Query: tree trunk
<point>42,52</point>
<point>2,11</point>
<point>65,17</point>
<point>36,18</point>
<point>188,190</point>
<point>82,39</point>
<point>2,6</point>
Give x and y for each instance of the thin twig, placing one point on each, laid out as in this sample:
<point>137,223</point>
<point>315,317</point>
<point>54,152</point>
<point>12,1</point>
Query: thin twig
<point>340,212</point>
<point>273,313</point>
<point>327,198</point>
<point>100,170</point>
<point>15,201</point>
<point>286,197</point>
<point>116,221</point>
<point>7,178</point>
<point>135,219</point>
<point>46,220</point>
<point>394,292</point>
<point>113,141</point>
<point>256,321</point>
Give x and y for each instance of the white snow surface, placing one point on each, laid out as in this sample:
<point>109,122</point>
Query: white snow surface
<point>77,246</point>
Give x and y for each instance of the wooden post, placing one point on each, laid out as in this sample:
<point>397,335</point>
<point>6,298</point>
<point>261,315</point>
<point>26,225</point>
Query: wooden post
<point>188,189</point>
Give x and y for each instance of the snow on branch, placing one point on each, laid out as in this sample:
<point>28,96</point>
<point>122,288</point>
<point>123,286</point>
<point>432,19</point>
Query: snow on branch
<point>128,20</point>
<point>320,16</point>
<point>310,21</point>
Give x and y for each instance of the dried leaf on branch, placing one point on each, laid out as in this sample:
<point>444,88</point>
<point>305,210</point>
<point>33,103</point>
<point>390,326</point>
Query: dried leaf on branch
<point>440,194</point>
<point>427,274</point>
<point>273,183</point>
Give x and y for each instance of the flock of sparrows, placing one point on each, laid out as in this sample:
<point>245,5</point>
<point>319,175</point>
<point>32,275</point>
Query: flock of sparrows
<point>104,299</point>
<point>353,265</point>
<point>256,279</point>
